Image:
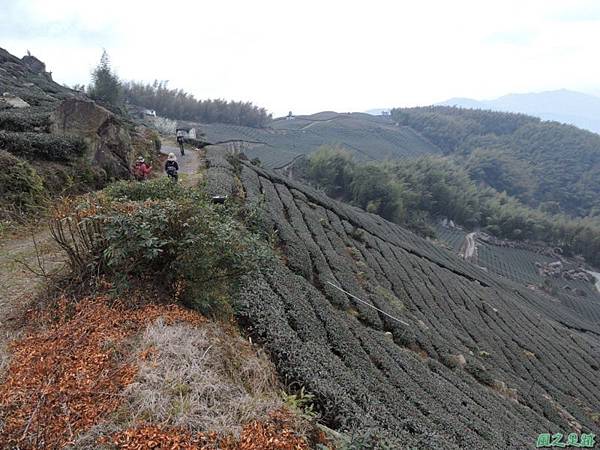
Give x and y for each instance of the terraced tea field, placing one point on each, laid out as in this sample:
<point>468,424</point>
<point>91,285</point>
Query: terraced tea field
<point>453,237</point>
<point>368,137</point>
<point>519,266</point>
<point>437,354</point>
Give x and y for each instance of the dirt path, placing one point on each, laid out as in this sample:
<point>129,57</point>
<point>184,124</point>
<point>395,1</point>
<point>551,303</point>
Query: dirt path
<point>20,257</point>
<point>189,164</point>
<point>596,276</point>
<point>469,248</point>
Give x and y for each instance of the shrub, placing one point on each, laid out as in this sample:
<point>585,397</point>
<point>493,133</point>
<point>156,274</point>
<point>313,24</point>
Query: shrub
<point>24,119</point>
<point>42,145</point>
<point>169,235</point>
<point>160,189</point>
<point>21,188</point>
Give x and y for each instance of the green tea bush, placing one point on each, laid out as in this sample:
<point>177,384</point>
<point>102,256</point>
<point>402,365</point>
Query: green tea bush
<point>159,189</point>
<point>21,188</point>
<point>42,145</point>
<point>24,119</point>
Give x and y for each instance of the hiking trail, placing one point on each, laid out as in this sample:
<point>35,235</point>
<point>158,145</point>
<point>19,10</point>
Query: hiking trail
<point>189,164</point>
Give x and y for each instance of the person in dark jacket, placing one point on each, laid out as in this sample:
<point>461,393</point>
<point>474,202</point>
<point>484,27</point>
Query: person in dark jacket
<point>171,167</point>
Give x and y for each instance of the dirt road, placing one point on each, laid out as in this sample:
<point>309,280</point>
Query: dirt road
<point>596,276</point>
<point>189,164</point>
<point>469,248</point>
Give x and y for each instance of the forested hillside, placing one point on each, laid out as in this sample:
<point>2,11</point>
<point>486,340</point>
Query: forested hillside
<point>181,105</point>
<point>565,106</point>
<point>543,164</point>
<point>418,192</point>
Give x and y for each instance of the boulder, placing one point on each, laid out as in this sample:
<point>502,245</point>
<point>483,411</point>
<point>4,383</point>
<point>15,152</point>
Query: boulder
<point>13,101</point>
<point>108,140</point>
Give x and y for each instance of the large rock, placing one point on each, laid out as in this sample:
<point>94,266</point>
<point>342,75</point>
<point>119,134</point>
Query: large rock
<point>108,141</point>
<point>13,101</point>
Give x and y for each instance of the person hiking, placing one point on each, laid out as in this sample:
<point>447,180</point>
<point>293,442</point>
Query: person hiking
<point>171,167</point>
<point>180,142</point>
<point>141,169</point>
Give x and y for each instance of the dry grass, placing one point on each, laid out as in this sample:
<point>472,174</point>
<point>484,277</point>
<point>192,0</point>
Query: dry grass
<point>69,375</point>
<point>201,379</point>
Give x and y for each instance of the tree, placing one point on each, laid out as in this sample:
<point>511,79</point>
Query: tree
<point>105,86</point>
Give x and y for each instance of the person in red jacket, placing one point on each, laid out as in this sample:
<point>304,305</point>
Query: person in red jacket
<point>141,170</point>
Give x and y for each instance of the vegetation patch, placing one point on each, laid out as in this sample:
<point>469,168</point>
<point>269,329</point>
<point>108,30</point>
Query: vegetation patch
<point>171,236</point>
<point>274,433</point>
<point>25,119</point>
<point>42,145</point>
<point>21,188</point>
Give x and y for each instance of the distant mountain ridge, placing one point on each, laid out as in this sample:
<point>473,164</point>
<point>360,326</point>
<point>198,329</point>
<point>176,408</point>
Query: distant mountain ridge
<point>570,107</point>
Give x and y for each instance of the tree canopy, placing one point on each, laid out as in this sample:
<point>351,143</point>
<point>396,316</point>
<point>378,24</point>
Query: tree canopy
<point>180,105</point>
<point>106,86</point>
<point>417,192</point>
<point>535,161</point>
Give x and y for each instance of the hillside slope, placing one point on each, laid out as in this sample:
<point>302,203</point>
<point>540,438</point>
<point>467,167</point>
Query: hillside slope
<point>570,107</point>
<point>537,162</point>
<point>368,137</point>
<point>58,139</point>
<point>477,361</point>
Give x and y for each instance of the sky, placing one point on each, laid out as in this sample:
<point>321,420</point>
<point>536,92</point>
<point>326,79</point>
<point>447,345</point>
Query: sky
<point>309,56</point>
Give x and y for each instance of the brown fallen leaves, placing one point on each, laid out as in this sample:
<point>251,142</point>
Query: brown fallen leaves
<point>276,433</point>
<point>64,379</point>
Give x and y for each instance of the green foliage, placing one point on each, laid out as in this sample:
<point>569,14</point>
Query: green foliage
<point>503,172</point>
<point>169,234</point>
<point>21,188</point>
<point>105,86</point>
<point>24,119</point>
<point>416,192</point>
<point>177,104</point>
<point>42,146</point>
<point>535,161</point>
<point>159,189</point>
<point>368,440</point>
<point>302,402</point>
<point>332,169</point>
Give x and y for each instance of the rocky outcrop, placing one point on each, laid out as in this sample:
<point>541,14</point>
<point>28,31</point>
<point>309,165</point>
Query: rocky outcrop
<point>12,101</point>
<point>59,130</point>
<point>108,142</point>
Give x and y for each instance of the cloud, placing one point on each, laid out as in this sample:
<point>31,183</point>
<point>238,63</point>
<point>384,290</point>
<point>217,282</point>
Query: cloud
<point>512,37</point>
<point>19,21</point>
<point>577,11</point>
<point>314,55</point>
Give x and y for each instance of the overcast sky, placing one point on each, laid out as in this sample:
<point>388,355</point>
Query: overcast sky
<point>309,56</point>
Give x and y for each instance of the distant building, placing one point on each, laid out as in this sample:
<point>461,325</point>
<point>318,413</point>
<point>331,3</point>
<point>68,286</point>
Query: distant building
<point>182,132</point>
<point>140,112</point>
<point>290,116</point>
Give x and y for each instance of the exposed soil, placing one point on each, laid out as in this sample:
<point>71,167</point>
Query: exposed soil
<point>24,260</point>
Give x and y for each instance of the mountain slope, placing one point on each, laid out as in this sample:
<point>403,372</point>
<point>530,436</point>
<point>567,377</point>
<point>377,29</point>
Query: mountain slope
<point>59,137</point>
<point>557,163</point>
<point>369,138</point>
<point>477,361</point>
<point>570,107</point>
